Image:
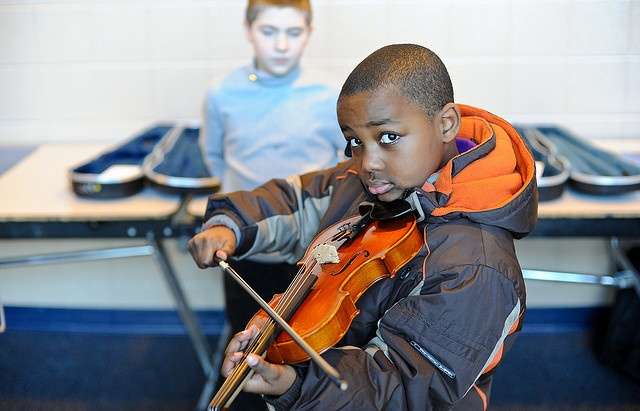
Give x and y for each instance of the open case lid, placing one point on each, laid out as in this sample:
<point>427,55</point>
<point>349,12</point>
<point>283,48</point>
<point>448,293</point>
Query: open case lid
<point>552,169</point>
<point>118,172</point>
<point>177,163</point>
<point>593,170</point>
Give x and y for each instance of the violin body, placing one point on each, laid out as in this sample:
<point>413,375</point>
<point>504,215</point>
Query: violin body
<point>379,251</point>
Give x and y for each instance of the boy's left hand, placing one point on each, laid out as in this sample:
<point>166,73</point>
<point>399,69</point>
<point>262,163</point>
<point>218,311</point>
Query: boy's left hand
<point>268,378</point>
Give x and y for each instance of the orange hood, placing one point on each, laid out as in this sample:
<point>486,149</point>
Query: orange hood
<point>493,182</point>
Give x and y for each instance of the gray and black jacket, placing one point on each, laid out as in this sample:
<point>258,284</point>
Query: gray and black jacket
<point>430,337</point>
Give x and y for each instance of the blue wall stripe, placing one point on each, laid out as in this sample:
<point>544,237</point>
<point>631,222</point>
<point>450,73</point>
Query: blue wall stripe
<point>554,320</point>
<point>163,322</point>
<point>167,322</point>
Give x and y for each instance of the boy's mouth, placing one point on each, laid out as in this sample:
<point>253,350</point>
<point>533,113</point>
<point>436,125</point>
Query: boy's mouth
<point>379,187</point>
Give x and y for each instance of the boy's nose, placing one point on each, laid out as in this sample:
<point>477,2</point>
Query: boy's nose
<point>282,43</point>
<point>371,162</point>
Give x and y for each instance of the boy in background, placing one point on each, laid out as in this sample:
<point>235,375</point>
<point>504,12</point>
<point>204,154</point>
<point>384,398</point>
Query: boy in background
<point>267,120</point>
<point>431,337</point>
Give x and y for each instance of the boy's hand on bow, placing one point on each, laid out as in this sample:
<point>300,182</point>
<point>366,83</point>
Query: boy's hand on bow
<point>268,378</point>
<point>218,241</point>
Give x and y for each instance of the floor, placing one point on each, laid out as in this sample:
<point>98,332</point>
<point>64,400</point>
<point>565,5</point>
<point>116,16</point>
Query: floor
<point>79,371</point>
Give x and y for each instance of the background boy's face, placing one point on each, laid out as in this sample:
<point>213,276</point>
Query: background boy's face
<point>278,36</point>
<point>394,144</point>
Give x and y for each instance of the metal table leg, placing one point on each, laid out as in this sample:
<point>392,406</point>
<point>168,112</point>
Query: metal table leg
<point>210,363</point>
<point>203,351</point>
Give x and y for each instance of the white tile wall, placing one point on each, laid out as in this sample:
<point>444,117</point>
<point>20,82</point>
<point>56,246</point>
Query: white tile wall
<point>97,69</point>
<point>120,32</point>
<point>634,33</point>
<point>479,28</point>
<point>177,32</point>
<point>178,91</point>
<point>224,34</point>
<point>596,85</point>
<point>65,32</point>
<point>18,42</point>
<point>538,87</point>
<point>540,28</point>
<point>632,101</point>
<point>481,83</point>
<point>599,27</point>
<point>17,93</point>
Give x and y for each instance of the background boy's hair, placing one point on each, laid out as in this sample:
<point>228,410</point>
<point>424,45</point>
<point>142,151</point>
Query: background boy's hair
<point>254,7</point>
<point>417,72</point>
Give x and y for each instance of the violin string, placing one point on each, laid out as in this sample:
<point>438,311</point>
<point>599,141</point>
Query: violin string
<point>296,286</point>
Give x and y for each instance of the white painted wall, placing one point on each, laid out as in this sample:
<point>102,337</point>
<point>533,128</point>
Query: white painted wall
<point>125,283</point>
<point>74,70</point>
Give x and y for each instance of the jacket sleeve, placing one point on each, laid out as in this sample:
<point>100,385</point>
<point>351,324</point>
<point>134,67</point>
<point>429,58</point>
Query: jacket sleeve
<point>212,135</point>
<point>429,349</point>
<point>278,220</point>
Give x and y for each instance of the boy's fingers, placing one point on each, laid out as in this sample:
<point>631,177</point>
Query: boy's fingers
<point>212,244</point>
<point>222,255</point>
<point>200,252</point>
<point>240,341</point>
<point>267,370</point>
<point>225,249</point>
<point>229,363</point>
<point>193,250</point>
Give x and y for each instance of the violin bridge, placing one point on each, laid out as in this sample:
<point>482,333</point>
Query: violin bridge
<point>326,253</point>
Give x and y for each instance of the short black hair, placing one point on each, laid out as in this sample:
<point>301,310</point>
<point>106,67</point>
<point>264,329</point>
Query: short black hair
<point>415,71</point>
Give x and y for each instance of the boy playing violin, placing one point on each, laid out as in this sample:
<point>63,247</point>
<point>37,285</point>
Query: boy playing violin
<point>431,337</point>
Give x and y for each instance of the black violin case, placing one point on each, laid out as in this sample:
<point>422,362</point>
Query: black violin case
<point>118,172</point>
<point>593,170</point>
<point>552,169</point>
<point>168,156</point>
<point>177,164</point>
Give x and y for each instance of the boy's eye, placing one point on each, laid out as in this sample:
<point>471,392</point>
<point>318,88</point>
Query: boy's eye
<point>354,142</point>
<point>294,32</point>
<point>389,138</point>
<point>267,31</point>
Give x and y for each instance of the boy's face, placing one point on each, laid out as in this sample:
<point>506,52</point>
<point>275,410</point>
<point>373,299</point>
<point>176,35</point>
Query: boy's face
<point>394,144</point>
<point>278,36</point>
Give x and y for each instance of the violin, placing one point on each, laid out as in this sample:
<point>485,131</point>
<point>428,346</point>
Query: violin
<point>342,262</point>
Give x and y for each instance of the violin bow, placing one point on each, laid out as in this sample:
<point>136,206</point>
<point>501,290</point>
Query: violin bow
<point>331,372</point>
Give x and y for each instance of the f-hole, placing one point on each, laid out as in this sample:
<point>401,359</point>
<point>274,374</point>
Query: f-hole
<point>364,253</point>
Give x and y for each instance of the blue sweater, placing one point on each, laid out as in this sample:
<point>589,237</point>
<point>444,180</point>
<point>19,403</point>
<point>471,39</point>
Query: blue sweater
<point>258,127</point>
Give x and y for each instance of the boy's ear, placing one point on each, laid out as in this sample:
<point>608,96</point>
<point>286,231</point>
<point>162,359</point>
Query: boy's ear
<point>449,122</point>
